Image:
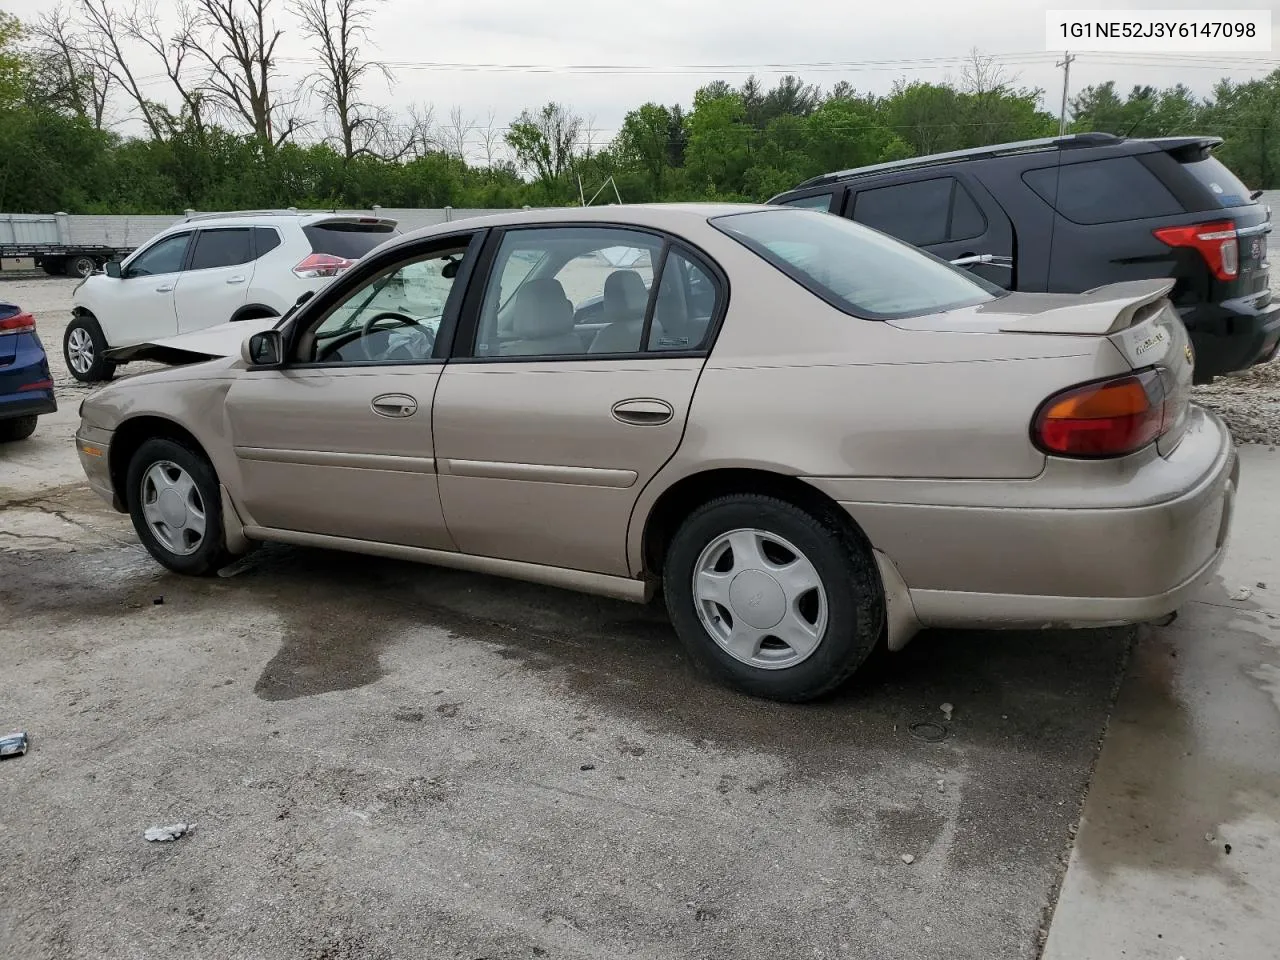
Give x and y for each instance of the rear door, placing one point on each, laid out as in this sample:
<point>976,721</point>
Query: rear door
<point>950,215</point>
<point>544,438</point>
<point>216,281</point>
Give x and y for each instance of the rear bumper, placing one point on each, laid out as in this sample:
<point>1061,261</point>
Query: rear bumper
<point>26,386</point>
<point>1232,336</point>
<point>1082,545</point>
<point>27,403</point>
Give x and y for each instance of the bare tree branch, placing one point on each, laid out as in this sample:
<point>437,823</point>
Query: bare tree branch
<point>109,31</point>
<point>491,140</point>
<point>455,134</point>
<point>143,25</point>
<point>336,28</point>
<point>73,74</point>
<point>421,130</point>
<point>237,40</point>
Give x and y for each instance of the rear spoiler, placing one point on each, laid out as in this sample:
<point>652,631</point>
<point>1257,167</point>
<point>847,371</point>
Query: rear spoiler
<point>378,224</point>
<point>1097,312</point>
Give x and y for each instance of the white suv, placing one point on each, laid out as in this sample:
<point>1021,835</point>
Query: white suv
<point>207,270</point>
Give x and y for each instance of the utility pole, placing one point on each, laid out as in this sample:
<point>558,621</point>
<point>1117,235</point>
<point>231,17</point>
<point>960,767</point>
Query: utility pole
<point>1065,64</point>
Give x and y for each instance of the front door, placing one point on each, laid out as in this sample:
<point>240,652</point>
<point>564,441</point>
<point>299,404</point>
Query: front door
<point>216,282</point>
<point>338,442</point>
<point>580,355</point>
<point>142,299</point>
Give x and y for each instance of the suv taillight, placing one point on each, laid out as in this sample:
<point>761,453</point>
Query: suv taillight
<point>1216,242</point>
<point>18,323</point>
<point>322,265</point>
<point>1108,418</point>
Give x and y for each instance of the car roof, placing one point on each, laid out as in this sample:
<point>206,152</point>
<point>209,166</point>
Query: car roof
<point>661,216</point>
<point>302,218</point>
<point>1069,142</point>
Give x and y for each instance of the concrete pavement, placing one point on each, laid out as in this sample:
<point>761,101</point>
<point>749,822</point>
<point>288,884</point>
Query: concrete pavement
<point>1178,851</point>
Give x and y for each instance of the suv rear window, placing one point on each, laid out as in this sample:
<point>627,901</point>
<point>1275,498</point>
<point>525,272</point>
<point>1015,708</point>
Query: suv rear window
<point>1213,175</point>
<point>855,269</point>
<point>349,240</point>
<point>1103,191</point>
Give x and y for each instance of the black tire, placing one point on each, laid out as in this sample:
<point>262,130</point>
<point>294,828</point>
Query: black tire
<point>211,554</point>
<point>81,266</point>
<point>99,368</point>
<point>845,568</point>
<point>17,428</point>
<point>54,268</point>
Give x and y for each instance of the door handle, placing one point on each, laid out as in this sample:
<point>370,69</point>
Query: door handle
<point>395,405</point>
<point>235,279</point>
<point>990,259</point>
<point>167,289</point>
<point>643,412</point>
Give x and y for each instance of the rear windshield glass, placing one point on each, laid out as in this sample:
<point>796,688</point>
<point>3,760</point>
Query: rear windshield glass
<point>853,268</point>
<point>1225,186</point>
<point>350,240</point>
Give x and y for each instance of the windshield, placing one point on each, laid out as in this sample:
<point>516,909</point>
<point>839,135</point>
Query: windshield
<point>854,268</point>
<point>1225,186</point>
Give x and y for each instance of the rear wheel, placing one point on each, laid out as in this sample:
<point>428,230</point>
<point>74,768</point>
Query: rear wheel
<point>176,507</point>
<point>17,428</point>
<point>772,599</point>
<point>83,346</point>
<point>82,266</point>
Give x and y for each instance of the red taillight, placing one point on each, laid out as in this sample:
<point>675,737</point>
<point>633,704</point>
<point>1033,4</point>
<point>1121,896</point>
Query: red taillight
<point>1108,418</point>
<point>322,265</point>
<point>1215,241</point>
<point>18,323</point>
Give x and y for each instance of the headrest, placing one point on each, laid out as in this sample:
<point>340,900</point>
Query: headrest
<point>625,297</point>
<point>541,310</point>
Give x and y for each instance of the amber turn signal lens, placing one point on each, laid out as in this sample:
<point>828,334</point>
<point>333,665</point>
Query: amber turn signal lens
<point>1109,418</point>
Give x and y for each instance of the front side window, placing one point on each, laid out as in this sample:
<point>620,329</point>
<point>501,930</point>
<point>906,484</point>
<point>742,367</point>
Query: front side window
<point>393,317</point>
<point>568,291</point>
<point>165,256</point>
<point>221,248</point>
<point>857,270</point>
<point>924,212</point>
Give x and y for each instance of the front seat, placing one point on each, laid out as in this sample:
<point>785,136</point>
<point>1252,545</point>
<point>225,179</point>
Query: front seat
<point>625,302</point>
<point>542,321</point>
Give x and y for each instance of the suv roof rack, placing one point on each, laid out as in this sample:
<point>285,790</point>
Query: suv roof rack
<point>287,212</point>
<point>1070,141</point>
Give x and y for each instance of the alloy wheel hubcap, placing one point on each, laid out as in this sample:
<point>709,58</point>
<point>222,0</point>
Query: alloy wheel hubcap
<point>760,598</point>
<point>80,350</point>
<point>173,508</point>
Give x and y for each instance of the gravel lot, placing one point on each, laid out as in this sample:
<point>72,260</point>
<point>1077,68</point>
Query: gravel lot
<point>389,760</point>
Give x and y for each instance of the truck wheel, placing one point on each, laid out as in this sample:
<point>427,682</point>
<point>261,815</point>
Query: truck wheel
<point>53,266</point>
<point>81,266</point>
<point>83,346</point>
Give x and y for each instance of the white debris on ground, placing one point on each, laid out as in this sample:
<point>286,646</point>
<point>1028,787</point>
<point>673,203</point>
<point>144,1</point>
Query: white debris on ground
<point>1249,403</point>
<point>165,834</point>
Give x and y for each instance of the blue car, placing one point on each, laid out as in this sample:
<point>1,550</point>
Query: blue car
<point>26,386</point>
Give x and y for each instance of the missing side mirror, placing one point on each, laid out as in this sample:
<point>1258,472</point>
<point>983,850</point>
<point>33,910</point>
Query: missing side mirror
<point>112,268</point>
<point>263,349</point>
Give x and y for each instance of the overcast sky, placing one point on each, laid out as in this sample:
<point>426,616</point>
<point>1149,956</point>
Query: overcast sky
<point>668,44</point>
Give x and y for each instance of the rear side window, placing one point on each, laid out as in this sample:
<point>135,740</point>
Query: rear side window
<point>820,201</point>
<point>1226,188</point>
<point>265,240</point>
<point>1103,191</point>
<point>857,270</point>
<point>349,240</point>
<point>220,248</point>
<point>924,213</point>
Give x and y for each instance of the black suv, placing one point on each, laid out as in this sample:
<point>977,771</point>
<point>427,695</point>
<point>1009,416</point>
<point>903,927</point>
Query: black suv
<point>1071,213</point>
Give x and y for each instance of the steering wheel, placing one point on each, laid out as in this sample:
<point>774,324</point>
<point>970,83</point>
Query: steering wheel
<point>401,319</point>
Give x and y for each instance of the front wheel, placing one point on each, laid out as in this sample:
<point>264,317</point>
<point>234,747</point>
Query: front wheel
<point>176,507</point>
<point>83,347</point>
<point>772,599</point>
